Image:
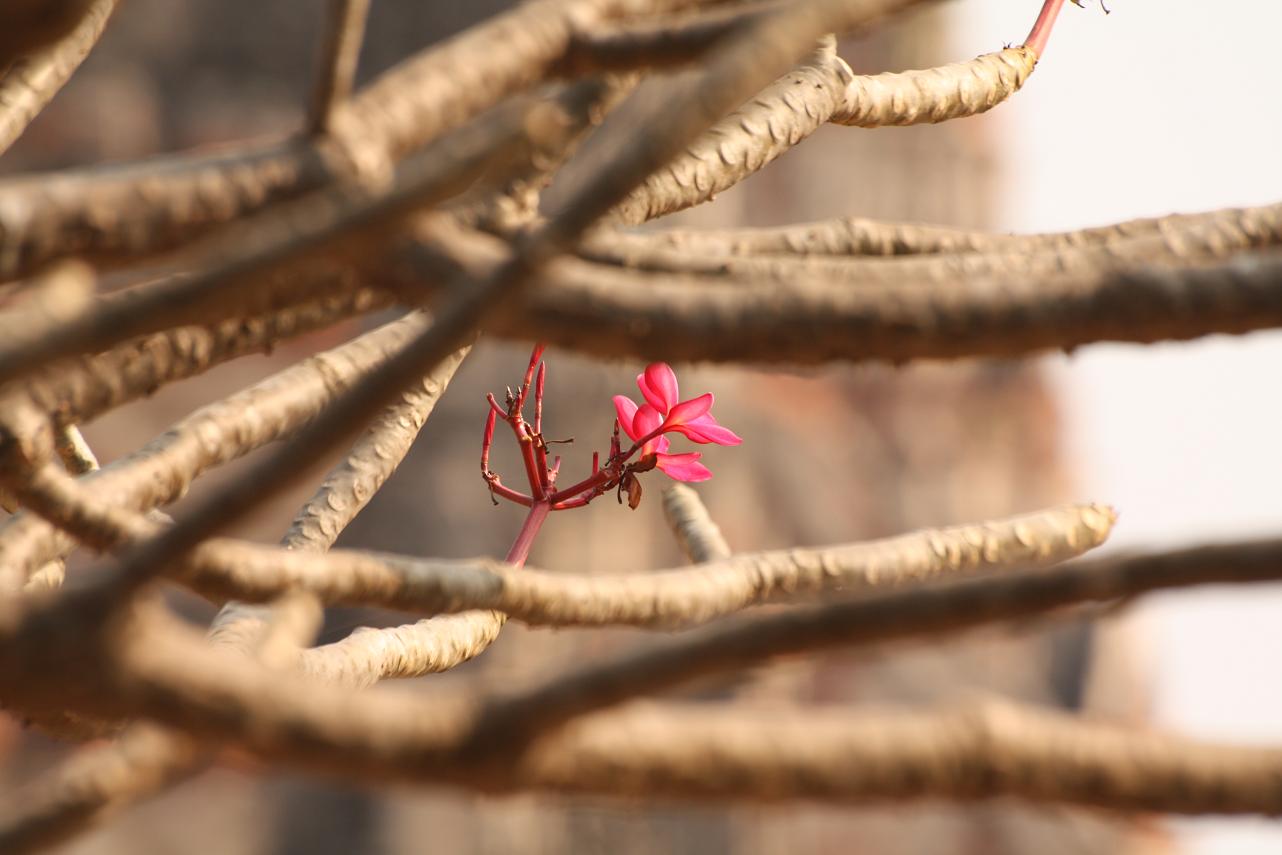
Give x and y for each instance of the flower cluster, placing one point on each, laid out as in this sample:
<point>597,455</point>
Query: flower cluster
<point>647,425</point>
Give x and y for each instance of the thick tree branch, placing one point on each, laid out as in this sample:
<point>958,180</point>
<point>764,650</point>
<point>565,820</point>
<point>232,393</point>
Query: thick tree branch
<point>1183,243</point>
<point>935,94</point>
<point>856,236</point>
<point>101,212</point>
<point>145,759</point>
<point>659,599</point>
<point>981,752</point>
<point>609,312</point>
<point>231,263</point>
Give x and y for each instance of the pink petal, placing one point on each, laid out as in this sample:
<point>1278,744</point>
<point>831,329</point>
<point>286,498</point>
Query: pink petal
<point>646,421</point>
<point>687,411</point>
<point>684,467</point>
<point>705,429</point>
<point>627,411</point>
<point>651,397</point>
<point>659,386</point>
<point>658,445</point>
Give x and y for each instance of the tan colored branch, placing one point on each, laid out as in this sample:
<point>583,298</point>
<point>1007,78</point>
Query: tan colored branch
<point>821,91</point>
<point>446,86</point>
<point>700,538</point>
<point>1178,242</point>
<point>340,51</point>
<point>412,650</point>
<point>379,736</point>
<point>609,312</point>
<point>343,494</point>
<point>657,599</point>
<point>62,294</point>
<point>991,750</point>
<point>659,43</point>
<point>917,613</point>
<point>231,265</point>
<point>986,751</point>
<point>84,388</point>
<point>41,55</point>
<point>855,236</point>
<point>935,94</point>
<point>780,116</point>
<point>129,212</point>
<point>75,452</point>
<point>146,759</point>
<point>132,211</point>
<point>161,471</point>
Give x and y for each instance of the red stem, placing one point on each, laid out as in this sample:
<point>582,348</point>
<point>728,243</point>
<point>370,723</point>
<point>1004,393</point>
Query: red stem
<point>532,469</point>
<point>538,397</point>
<point>529,530</point>
<point>487,440</point>
<point>603,476</point>
<point>508,493</point>
<point>1041,32</point>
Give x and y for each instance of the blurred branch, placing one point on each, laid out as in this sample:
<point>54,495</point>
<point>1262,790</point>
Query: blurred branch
<point>700,538</point>
<point>72,797</point>
<point>230,263</point>
<point>41,46</point>
<point>980,752</point>
<point>161,471</point>
<point>609,312</point>
<point>659,43</point>
<point>340,52</point>
<point>100,211</point>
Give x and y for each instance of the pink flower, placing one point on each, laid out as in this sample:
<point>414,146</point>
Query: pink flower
<point>662,413</point>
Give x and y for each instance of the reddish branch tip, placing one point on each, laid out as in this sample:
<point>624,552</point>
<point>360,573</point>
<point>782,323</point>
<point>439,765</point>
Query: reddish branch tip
<point>1041,32</point>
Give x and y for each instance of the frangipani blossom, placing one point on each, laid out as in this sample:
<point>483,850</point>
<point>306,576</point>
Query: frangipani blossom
<point>664,412</point>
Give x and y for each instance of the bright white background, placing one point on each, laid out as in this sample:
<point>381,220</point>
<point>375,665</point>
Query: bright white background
<point>1159,107</point>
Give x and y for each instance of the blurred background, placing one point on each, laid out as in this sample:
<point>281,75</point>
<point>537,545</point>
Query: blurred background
<point>1142,112</point>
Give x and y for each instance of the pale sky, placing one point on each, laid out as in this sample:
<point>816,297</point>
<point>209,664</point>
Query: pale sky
<point>1160,107</point>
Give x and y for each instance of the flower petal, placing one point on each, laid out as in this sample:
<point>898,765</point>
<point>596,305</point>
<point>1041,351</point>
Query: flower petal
<point>684,467</point>
<point>687,411</point>
<point>646,420</point>
<point>705,429</point>
<point>651,397</point>
<point>659,386</point>
<point>627,410</point>
<point>658,445</point>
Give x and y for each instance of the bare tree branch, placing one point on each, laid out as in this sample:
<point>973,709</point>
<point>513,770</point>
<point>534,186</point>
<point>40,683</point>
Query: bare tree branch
<point>995,749</point>
<point>659,599</point>
<point>856,236</point>
<point>340,51</point>
<point>36,68</point>
<point>162,470</point>
<point>609,312</point>
<point>935,94</point>
<point>145,759</point>
<point>700,538</point>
